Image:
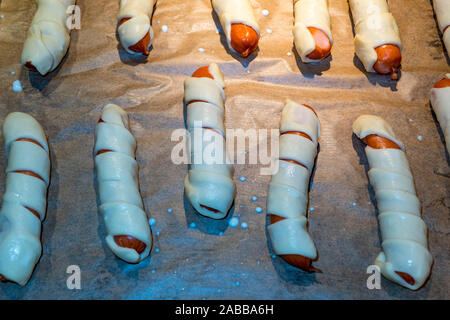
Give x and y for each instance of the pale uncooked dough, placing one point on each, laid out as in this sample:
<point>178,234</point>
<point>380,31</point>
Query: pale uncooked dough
<point>310,13</point>
<point>440,100</point>
<point>288,190</point>
<point>209,181</point>
<point>234,11</point>
<point>48,37</point>
<point>442,10</point>
<point>118,185</point>
<point>374,26</point>
<point>20,229</point>
<point>134,30</point>
<point>404,234</point>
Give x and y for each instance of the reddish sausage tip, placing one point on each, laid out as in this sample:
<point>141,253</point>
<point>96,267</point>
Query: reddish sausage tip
<point>323,44</point>
<point>378,142</point>
<point>142,45</point>
<point>130,242</point>
<point>410,280</point>
<point>295,260</point>
<point>244,39</point>
<point>442,83</point>
<point>389,60</point>
<point>30,66</point>
<point>202,72</point>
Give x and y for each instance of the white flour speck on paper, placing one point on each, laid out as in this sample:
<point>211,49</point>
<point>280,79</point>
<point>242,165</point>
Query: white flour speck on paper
<point>289,53</point>
<point>201,50</point>
<point>265,12</point>
<point>233,222</point>
<point>17,86</point>
<point>420,138</point>
<point>269,31</point>
<point>165,28</point>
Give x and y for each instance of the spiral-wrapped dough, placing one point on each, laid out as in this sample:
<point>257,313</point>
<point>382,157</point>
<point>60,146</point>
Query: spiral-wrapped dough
<point>440,101</point>
<point>128,231</point>
<point>288,190</point>
<point>404,258</point>
<point>374,26</point>
<point>25,199</point>
<point>442,10</point>
<point>48,37</point>
<point>310,13</point>
<point>208,185</point>
<point>137,23</point>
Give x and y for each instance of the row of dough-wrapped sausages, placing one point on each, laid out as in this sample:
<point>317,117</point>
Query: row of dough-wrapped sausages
<point>377,39</point>
<point>209,187</point>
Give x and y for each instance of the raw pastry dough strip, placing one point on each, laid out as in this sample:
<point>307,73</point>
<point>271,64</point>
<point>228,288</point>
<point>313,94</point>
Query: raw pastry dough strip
<point>48,37</point>
<point>208,185</point>
<point>377,39</point>
<point>440,101</point>
<point>128,231</point>
<point>404,258</point>
<point>442,10</point>
<point>239,24</point>
<point>312,29</point>
<point>25,199</point>
<point>135,30</point>
<point>287,200</point>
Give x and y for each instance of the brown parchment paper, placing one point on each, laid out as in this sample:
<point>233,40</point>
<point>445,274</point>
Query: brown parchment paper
<point>196,263</point>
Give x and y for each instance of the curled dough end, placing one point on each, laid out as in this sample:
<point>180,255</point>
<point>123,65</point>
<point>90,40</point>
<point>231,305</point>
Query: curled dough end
<point>295,260</point>
<point>142,46</point>
<point>323,44</point>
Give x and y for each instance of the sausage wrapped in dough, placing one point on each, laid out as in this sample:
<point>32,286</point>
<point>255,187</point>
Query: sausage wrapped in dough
<point>287,200</point>
<point>440,100</point>
<point>25,199</point>
<point>442,10</point>
<point>404,257</point>
<point>377,39</point>
<point>128,231</point>
<point>239,24</point>
<point>312,29</point>
<point>135,30</point>
<point>48,37</point>
<point>209,186</point>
